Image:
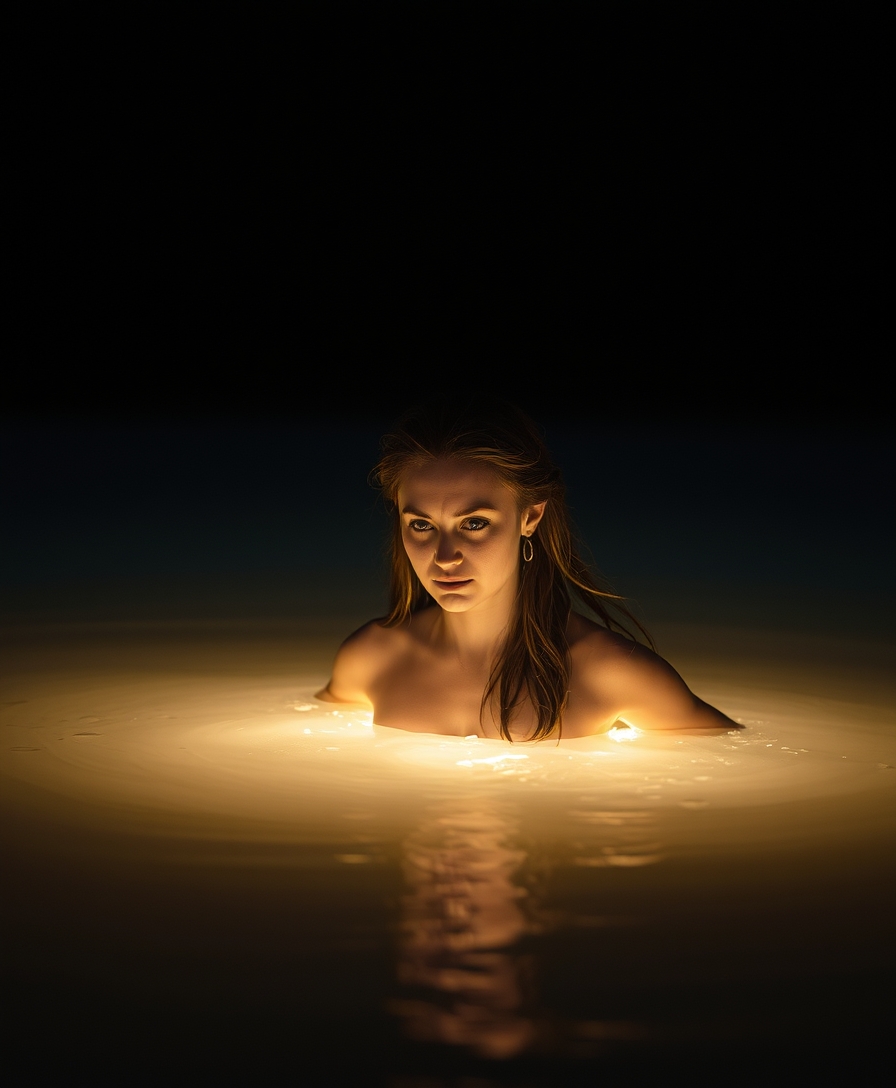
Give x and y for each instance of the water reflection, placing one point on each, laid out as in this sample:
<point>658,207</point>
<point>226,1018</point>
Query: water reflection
<point>465,978</point>
<point>477,897</point>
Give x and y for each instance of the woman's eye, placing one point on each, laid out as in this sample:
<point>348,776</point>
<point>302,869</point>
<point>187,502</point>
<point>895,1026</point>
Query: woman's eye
<point>419,526</point>
<point>476,524</point>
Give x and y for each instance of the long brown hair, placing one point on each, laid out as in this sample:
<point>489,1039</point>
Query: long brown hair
<point>534,660</point>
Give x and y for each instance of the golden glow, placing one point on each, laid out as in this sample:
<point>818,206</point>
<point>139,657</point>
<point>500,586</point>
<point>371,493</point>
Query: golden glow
<point>623,731</point>
<point>174,743</point>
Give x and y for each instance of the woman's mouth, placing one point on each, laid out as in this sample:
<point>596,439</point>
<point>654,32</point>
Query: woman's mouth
<point>452,583</point>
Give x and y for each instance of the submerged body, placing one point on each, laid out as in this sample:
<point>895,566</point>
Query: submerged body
<point>410,679</point>
<point>460,529</point>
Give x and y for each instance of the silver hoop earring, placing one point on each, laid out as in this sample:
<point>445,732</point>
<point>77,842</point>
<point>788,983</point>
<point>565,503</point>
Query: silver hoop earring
<point>527,554</point>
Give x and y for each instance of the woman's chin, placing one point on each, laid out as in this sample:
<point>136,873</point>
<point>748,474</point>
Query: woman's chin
<point>454,602</point>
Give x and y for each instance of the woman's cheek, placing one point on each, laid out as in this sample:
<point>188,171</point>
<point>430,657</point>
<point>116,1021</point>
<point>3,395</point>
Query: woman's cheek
<point>415,549</point>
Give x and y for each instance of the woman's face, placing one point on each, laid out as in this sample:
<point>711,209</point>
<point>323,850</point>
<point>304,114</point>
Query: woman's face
<point>461,530</point>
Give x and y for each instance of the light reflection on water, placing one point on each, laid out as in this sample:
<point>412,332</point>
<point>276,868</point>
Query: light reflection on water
<point>550,900</point>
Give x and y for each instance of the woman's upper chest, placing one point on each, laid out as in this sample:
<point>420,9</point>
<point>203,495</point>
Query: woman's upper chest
<point>425,691</point>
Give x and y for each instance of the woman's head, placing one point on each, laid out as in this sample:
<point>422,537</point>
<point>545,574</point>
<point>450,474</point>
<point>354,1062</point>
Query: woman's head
<point>491,440</point>
<point>461,529</point>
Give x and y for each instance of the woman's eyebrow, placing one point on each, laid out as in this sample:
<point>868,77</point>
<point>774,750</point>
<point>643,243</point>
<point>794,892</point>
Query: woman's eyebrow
<point>475,509</point>
<point>460,513</point>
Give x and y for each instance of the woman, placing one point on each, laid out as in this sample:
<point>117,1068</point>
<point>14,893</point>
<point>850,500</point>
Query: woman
<point>496,627</point>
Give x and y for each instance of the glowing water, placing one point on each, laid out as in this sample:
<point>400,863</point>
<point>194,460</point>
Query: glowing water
<point>570,902</point>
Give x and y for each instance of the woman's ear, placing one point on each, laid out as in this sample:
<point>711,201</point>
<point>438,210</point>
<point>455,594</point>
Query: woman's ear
<point>531,516</point>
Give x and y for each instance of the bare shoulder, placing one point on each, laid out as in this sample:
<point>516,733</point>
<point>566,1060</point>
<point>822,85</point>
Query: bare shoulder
<point>360,657</point>
<point>641,687</point>
<point>599,654</point>
<point>589,638</point>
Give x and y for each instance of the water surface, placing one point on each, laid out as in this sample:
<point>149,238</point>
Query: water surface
<point>201,857</point>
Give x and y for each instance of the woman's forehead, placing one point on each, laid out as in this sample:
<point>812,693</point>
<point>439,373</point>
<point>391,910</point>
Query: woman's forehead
<point>453,481</point>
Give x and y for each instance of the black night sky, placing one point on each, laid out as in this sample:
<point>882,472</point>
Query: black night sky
<point>235,275</point>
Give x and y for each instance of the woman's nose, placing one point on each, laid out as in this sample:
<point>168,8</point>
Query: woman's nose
<point>447,551</point>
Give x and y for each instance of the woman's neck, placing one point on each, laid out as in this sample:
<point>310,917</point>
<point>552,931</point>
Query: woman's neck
<point>474,636</point>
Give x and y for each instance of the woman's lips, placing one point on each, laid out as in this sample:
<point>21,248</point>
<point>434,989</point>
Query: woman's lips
<point>454,583</point>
